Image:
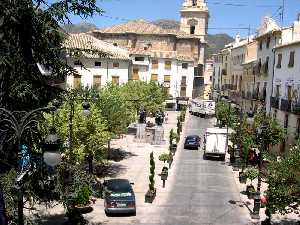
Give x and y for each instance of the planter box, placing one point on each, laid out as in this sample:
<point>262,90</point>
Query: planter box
<point>150,196</point>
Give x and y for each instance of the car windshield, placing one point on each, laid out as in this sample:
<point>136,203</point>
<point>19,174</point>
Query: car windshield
<point>119,188</point>
<point>191,139</point>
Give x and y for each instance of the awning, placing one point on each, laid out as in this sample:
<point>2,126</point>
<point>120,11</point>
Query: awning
<point>170,101</point>
<point>182,102</point>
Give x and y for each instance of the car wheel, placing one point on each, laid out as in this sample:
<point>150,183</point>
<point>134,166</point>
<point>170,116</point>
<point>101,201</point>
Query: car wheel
<point>107,213</point>
<point>204,156</point>
<point>134,213</point>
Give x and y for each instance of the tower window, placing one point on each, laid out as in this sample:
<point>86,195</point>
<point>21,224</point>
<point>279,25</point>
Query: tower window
<point>192,30</point>
<point>194,2</point>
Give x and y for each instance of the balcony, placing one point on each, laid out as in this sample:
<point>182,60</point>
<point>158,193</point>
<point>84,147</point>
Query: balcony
<point>286,105</point>
<point>274,102</point>
<point>296,108</point>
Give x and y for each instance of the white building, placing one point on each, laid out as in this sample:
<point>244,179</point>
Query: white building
<point>217,75</point>
<point>94,70</point>
<point>268,36</point>
<point>285,96</point>
<point>208,78</point>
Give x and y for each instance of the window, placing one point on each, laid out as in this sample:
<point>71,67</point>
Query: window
<point>277,92</point>
<point>167,78</point>
<point>115,65</point>
<point>167,65</point>
<point>266,66</point>
<point>183,81</point>
<point>298,128</point>
<point>279,59</point>
<point>154,64</point>
<point>97,81</point>
<point>192,30</point>
<point>97,64</point>
<point>154,77</point>
<point>115,80</point>
<point>260,45</point>
<point>292,59</point>
<point>77,81</point>
<point>115,44</point>
<point>259,66</point>
<point>139,59</point>
<point>185,65</point>
<point>135,74</point>
<point>268,42</point>
<point>78,63</point>
<point>194,3</point>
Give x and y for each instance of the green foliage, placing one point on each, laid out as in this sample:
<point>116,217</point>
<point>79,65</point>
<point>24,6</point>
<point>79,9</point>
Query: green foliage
<point>7,182</point>
<point>274,133</point>
<point>173,136</point>
<point>89,132</point>
<point>152,172</point>
<point>114,109</point>
<point>284,183</point>
<point>138,93</point>
<point>225,114</point>
<point>30,34</point>
<point>164,157</point>
<point>252,173</point>
<point>73,185</point>
<point>179,126</point>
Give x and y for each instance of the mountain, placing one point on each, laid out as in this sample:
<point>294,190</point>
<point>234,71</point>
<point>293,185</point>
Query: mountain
<point>79,28</point>
<point>215,41</point>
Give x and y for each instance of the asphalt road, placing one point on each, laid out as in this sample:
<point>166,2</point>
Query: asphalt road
<point>203,189</point>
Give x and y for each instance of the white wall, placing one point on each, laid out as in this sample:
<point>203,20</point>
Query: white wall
<point>106,71</point>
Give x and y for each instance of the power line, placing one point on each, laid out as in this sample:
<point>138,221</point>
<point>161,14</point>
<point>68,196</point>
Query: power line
<point>240,4</point>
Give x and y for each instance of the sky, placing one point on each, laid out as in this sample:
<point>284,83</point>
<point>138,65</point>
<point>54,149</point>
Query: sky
<point>224,14</point>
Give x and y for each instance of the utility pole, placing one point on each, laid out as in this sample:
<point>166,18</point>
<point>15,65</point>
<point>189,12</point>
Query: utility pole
<point>282,13</point>
<point>249,28</point>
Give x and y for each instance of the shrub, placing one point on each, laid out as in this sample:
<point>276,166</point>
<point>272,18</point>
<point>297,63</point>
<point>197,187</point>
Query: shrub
<point>152,172</point>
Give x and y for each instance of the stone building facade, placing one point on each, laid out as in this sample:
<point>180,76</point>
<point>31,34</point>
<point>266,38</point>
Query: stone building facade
<point>183,47</point>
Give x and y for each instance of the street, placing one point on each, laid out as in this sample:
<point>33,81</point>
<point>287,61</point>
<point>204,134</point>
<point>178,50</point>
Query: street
<point>197,191</point>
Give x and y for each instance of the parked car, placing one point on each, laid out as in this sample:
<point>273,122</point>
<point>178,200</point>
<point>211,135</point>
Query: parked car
<point>119,197</point>
<point>192,142</point>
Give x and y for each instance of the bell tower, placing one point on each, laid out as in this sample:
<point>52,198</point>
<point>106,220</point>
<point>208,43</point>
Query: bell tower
<point>194,18</point>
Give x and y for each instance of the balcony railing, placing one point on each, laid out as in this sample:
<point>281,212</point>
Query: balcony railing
<point>286,105</point>
<point>274,102</point>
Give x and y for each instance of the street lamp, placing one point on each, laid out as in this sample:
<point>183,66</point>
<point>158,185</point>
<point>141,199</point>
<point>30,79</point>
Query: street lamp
<point>19,125</point>
<point>261,134</point>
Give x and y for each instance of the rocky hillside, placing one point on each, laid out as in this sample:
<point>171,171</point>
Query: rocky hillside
<point>79,28</point>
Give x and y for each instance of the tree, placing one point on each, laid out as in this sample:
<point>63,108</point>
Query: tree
<point>225,114</point>
<point>30,38</point>
<point>284,183</point>
<point>114,110</point>
<point>89,132</point>
<point>139,93</point>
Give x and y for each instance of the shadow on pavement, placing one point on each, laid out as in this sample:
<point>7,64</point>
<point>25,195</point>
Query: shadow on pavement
<point>283,222</point>
<point>109,170</point>
<point>58,219</point>
<point>117,154</point>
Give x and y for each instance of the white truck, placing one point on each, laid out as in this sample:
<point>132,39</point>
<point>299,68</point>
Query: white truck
<point>202,108</point>
<point>215,142</point>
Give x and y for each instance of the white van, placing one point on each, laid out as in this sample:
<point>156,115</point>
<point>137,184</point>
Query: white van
<point>215,142</point>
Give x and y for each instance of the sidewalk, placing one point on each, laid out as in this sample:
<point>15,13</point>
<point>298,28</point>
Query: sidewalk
<point>289,219</point>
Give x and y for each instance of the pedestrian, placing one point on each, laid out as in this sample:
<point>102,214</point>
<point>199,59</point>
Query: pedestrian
<point>166,117</point>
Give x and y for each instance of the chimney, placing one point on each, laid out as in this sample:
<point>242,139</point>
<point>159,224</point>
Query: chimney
<point>298,18</point>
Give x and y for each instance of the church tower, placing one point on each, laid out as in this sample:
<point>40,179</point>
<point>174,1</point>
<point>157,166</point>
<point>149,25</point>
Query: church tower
<point>194,18</point>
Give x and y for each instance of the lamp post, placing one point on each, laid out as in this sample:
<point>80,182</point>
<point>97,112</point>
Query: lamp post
<point>15,126</point>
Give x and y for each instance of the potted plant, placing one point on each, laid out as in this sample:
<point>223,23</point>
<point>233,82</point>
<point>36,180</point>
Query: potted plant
<point>164,157</point>
<point>251,174</point>
<point>151,193</point>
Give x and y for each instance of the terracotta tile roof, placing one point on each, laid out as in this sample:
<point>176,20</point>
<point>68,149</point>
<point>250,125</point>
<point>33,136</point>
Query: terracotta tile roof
<point>143,27</point>
<point>88,42</point>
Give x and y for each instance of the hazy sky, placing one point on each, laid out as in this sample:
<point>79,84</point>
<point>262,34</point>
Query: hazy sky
<point>223,13</point>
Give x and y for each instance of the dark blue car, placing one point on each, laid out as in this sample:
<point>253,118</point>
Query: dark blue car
<point>192,142</point>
